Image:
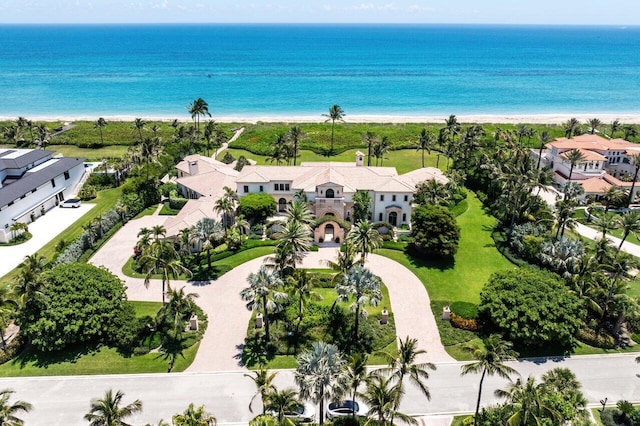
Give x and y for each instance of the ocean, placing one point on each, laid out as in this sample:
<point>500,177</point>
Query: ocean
<point>285,70</point>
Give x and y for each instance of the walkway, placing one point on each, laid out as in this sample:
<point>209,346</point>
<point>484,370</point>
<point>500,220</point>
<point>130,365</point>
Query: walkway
<point>225,145</point>
<point>44,229</point>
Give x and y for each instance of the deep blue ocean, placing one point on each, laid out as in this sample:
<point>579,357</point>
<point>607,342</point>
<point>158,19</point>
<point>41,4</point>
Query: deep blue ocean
<point>257,70</point>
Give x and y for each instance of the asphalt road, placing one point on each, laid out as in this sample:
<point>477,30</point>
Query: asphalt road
<point>65,400</point>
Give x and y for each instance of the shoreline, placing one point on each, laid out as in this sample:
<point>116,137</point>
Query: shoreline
<point>547,118</point>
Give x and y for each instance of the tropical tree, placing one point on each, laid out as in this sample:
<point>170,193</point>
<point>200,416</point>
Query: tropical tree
<point>300,286</point>
<point>320,374</point>
<point>194,417</point>
<point>615,126</point>
<point>198,108</point>
<point>178,309</point>
<point>356,373</point>
<point>570,127</point>
<point>139,125</point>
<point>9,411</point>
<point>593,124</point>
<point>635,160</point>
<point>298,211</point>
<point>370,139</point>
<point>574,157</point>
<point>361,205</point>
<point>380,149</point>
<point>100,123</point>
<point>263,380</point>
<point>383,399</point>
<point>8,307</point>
<point>281,151</point>
<point>630,224</point>
<point>263,296</point>
<point>490,360</point>
<point>162,258</point>
<point>295,135</point>
<point>614,197</point>
<point>364,237</point>
<point>426,141</point>
<point>605,223</point>
<point>528,403</point>
<point>107,411</point>
<point>281,402</point>
<point>335,114</point>
<point>545,138</point>
<point>360,283</point>
<point>630,131</point>
<point>227,205</point>
<point>295,242</point>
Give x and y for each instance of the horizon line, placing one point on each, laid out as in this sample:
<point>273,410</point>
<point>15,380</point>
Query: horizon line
<point>330,24</point>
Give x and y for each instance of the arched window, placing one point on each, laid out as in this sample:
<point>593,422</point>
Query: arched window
<point>282,205</point>
<point>329,193</point>
<point>393,218</point>
<point>404,217</point>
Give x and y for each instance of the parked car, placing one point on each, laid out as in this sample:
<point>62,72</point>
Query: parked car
<point>305,413</point>
<point>71,203</point>
<point>346,408</point>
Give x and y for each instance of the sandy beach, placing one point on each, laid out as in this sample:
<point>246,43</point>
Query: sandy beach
<point>627,118</point>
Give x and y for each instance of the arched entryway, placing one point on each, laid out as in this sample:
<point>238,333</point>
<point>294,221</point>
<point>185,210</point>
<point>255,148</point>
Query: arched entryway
<point>282,205</point>
<point>329,232</point>
<point>393,218</point>
<point>329,193</point>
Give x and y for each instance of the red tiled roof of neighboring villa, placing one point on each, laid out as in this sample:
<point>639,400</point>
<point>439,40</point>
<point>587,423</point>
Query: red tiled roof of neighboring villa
<point>594,185</point>
<point>617,182</point>
<point>590,142</point>
<point>587,155</point>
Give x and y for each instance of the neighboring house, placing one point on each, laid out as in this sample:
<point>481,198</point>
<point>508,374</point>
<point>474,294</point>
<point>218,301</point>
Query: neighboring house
<point>31,182</point>
<point>329,188</point>
<point>606,163</point>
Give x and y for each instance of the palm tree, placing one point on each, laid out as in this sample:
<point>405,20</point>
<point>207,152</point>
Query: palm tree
<point>179,308</point>
<point>614,197</point>
<point>490,360</point>
<point>264,385</point>
<point>630,131</point>
<point>263,296</point>
<point>635,160</point>
<point>570,127</point>
<point>139,124</point>
<point>360,283</point>
<point>545,138</point>
<point>295,135</point>
<point>370,139</point>
<point>320,374</point>
<point>8,307</point>
<point>361,205</point>
<point>630,224</point>
<point>528,404</point>
<point>574,157</point>
<point>209,133</point>
<point>227,205</point>
<point>28,286</point>
<point>295,242</point>
<point>335,114</point>
<point>194,417</point>
<point>606,222</point>
<point>364,238</point>
<point>108,412</point>
<point>356,373</point>
<point>281,151</point>
<point>616,126</point>
<point>425,142</point>
<point>298,211</point>
<point>345,261</point>
<point>198,108</point>
<point>403,364</point>
<point>99,124</point>
<point>301,285</point>
<point>9,412</point>
<point>162,258</point>
<point>593,124</point>
<point>383,399</point>
<point>281,402</point>
<point>380,148</point>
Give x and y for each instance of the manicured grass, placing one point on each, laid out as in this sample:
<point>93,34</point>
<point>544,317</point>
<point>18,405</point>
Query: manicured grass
<point>91,154</point>
<point>403,160</point>
<point>144,309</point>
<point>459,420</point>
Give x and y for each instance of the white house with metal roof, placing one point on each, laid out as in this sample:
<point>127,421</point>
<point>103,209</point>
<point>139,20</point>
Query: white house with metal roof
<point>31,182</point>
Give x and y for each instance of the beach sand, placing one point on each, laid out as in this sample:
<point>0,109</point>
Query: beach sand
<point>606,118</point>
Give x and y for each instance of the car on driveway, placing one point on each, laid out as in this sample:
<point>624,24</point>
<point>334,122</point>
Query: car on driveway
<point>346,408</point>
<point>73,203</point>
<point>305,413</point>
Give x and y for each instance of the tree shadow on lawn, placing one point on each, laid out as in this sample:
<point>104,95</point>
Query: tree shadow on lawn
<point>418,261</point>
<point>39,359</point>
<point>253,353</point>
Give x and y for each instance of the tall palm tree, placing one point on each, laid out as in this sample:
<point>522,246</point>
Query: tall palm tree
<point>107,411</point>
<point>298,211</point>
<point>490,360</point>
<point>295,242</point>
<point>383,399</point>
<point>295,135</point>
<point>193,416</point>
<point>209,132</point>
<point>178,309</point>
<point>426,140</point>
<point>606,222</point>
<point>263,380</point>
<point>100,123</point>
<point>281,402</point>
<point>630,225</point>
<point>528,403</point>
<point>370,139</point>
<point>614,197</point>
<point>570,127</point>
<point>593,124</point>
<point>364,238</point>
<point>630,131</point>
<point>28,286</point>
<point>227,205</point>
<point>356,373</point>
<point>615,126</point>
<point>545,138</point>
<point>162,258</point>
<point>380,149</point>
<point>9,411</point>
<point>263,296</point>
<point>345,260</point>
<point>8,308</point>
<point>198,108</point>
<point>320,374</point>
<point>360,283</point>
<point>281,151</point>
<point>635,160</point>
<point>574,157</point>
<point>335,114</point>
<point>139,125</point>
<point>301,285</point>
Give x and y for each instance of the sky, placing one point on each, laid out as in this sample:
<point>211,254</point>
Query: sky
<point>571,12</point>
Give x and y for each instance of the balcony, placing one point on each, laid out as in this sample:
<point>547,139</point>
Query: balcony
<point>329,201</point>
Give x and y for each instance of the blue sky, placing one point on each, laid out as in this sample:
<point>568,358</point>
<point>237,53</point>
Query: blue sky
<point>588,12</point>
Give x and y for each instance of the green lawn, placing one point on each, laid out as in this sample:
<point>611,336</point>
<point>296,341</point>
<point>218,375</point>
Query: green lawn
<point>102,360</point>
<point>91,154</point>
<point>404,160</point>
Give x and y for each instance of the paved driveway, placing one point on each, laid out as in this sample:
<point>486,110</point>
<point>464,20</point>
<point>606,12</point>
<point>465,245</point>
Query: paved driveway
<point>44,229</point>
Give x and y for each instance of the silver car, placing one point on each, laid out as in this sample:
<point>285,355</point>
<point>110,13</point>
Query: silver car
<point>346,408</point>
<point>305,413</point>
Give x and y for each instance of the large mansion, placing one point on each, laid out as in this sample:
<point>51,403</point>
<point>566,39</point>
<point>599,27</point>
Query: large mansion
<point>33,181</point>
<point>606,163</point>
<point>328,186</point>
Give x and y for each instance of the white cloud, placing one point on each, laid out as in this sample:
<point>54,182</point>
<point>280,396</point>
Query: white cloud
<point>388,6</point>
<point>364,6</point>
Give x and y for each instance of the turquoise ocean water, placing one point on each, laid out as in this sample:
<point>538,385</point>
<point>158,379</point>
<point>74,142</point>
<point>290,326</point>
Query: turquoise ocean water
<point>257,70</point>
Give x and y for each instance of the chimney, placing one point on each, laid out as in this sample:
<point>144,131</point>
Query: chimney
<point>193,167</point>
<point>359,159</point>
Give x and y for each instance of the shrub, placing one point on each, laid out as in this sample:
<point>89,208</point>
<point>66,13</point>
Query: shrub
<point>257,207</point>
<point>435,231</point>
<point>101,180</point>
<point>177,203</point>
<point>599,340</point>
<point>464,324</point>
<point>242,161</point>
<point>228,158</point>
